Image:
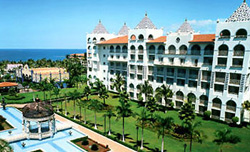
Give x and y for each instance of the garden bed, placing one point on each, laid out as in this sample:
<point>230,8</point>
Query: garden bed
<point>90,145</point>
<point>4,125</point>
<point>39,150</point>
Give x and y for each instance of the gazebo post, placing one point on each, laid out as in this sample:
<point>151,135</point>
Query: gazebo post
<point>23,124</point>
<point>50,127</point>
<point>28,129</point>
<point>39,130</point>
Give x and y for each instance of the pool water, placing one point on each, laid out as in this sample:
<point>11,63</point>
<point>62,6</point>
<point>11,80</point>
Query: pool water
<point>59,143</point>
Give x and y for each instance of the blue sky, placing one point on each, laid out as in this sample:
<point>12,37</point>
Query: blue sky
<point>64,23</point>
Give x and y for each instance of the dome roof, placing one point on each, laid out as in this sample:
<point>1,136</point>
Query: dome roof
<point>241,14</point>
<point>146,23</point>
<point>124,30</point>
<point>37,110</point>
<point>185,27</point>
<point>100,29</point>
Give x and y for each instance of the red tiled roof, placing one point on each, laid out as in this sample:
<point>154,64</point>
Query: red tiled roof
<point>8,84</point>
<point>80,54</point>
<point>160,39</point>
<point>203,38</point>
<point>117,40</point>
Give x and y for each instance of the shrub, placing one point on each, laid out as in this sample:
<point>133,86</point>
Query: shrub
<point>1,127</point>
<point>207,115</point>
<point>85,141</point>
<point>235,120</point>
<point>16,97</point>
<point>94,147</point>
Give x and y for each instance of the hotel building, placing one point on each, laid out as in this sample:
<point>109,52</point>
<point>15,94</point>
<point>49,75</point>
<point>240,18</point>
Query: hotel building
<point>212,68</point>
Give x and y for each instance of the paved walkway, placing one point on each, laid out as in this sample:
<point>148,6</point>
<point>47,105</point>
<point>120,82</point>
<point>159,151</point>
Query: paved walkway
<point>114,146</point>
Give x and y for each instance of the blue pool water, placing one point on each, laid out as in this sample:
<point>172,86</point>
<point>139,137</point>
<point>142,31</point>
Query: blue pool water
<point>59,143</point>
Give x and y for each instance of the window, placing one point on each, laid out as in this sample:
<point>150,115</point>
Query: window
<point>104,48</point>
<point>118,49</point>
<point>239,50</point>
<point>152,49</point>
<point>150,78</point>
<point>132,57</point>
<point>124,49</point>
<point>102,39</point>
<point>223,50</point>
<point>111,48</point>
<point>133,37</point>
<point>182,61</point>
<point>141,37</point>
<point>225,34</point>
<point>161,49</point>
<point>196,50</point>
<point>209,50</point>
<point>172,49</point>
<point>183,50</point>
<point>104,63</point>
<point>132,76</point>
<point>241,33</point>
<point>104,71</point>
<point>177,40</point>
<point>104,55</point>
<point>171,60</point>
<point>150,37</point>
<point>180,82</point>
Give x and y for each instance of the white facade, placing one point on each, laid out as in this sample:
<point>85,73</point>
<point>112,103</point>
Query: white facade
<point>213,68</point>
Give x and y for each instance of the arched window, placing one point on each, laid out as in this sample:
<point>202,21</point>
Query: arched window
<point>152,49</point>
<point>131,86</point>
<point>191,97</point>
<point>231,105</point>
<point>118,49</point>
<point>172,49</point>
<point>203,99</point>
<point>223,50</point>
<point>150,37</point>
<point>141,37</point>
<point>217,103</point>
<point>89,47</point>
<point>225,34</point>
<point>132,48</point>
<point>89,39</point>
<point>102,39</point>
<point>209,50</point>
<point>133,37</point>
<point>183,49</point>
<point>196,50</point>
<point>179,95</point>
<point>140,48</point>
<point>94,47</point>
<point>94,40</point>
<point>161,49</point>
<point>124,49</point>
<point>138,87</point>
<point>111,48</point>
<point>241,33</point>
<point>239,50</point>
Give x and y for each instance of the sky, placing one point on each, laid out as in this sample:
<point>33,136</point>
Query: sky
<point>63,24</point>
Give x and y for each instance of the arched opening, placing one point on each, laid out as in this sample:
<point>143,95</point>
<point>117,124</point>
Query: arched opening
<point>225,34</point>
<point>124,49</point>
<point>141,37</point>
<point>89,39</point>
<point>179,95</point>
<point>102,39</point>
<point>209,50</point>
<point>196,50</point>
<point>204,100</point>
<point>231,105</point>
<point>183,49</point>
<point>133,37</point>
<point>118,49</point>
<point>161,49</point>
<point>140,48</point>
<point>152,49</point>
<point>223,50</point>
<point>132,48</point>
<point>239,50</point>
<point>111,49</point>
<point>150,37</point>
<point>138,87</point>
<point>216,103</point>
<point>131,87</point>
<point>172,49</point>
<point>94,40</point>
<point>89,47</point>
<point>241,33</point>
<point>94,47</point>
<point>191,98</point>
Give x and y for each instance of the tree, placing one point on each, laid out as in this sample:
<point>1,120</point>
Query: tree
<point>79,104</point>
<point>74,95</point>
<point>96,106</point>
<point>85,104</point>
<point>225,136</point>
<point>123,111</point>
<point>187,112</point>
<point>118,82</point>
<point>162,125</point>
<point>56,92</point>
<point>103,93</point>
<point>4,146</point>
<point>98,84</point>
<point>87,92</point>
<point>109,114</point>
<point>246,105</point>
<point>142,120</point>
<point>146,89</point>
<point>43,86</point>
<point>65,100</point>
<point>164,92</point>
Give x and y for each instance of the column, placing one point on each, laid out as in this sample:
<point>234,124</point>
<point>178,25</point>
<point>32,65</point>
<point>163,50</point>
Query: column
<point>28,129</point>
<point>23,124</point>
<point>197,102</point>
<point>39,130</point>
<point>222,111</point>
<point>50,127</point>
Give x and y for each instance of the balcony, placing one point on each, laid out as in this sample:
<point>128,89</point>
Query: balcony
<point>140,71</point>
<point>192,76</point>
<point>231,108</point>
<point>140,52</point>
<point>172,52</point>
<point>235,81</point>
<point>206,52</point>
<point>183,52</point>
<point>220,79</point>
<point>239,53</point>
<point>216,105</point>
<point>170,73</point>
<point>223,52</point>
<point>206,78</point>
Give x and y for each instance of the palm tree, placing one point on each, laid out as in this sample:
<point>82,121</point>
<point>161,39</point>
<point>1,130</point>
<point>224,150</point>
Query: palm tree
<point>164,92</point>
<point>193,132</point>
<point>146,89</point>
<point>87,92</point>
<point>103,93</point>
<point>98,84</point>
<point>74,96</point>
<point>4,146</point>
<point>123,111</point>
<point>187,113</point>
<point>109,114</point>
<point>225,136</point>
<point>79,104</point>
<point>65,100</point>
<point>96,106</point>
<point>85,104</point>
<point>43,86</point>
<point>162,125</point>
<point>142,119</point>
<point>118,82</point>
<point>56,92</point>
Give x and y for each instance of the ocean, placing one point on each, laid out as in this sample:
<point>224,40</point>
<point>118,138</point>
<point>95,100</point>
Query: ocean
<point>35,54</point>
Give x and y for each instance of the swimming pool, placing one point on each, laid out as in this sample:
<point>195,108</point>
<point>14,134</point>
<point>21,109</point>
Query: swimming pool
<point>59,143</point>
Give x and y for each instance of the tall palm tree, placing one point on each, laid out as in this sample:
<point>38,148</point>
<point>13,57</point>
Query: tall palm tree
<point>85,104</point>
<point>43,86</point>
<point>4,146</point>
<point>74,95</point>
<point>164,92</point>
<point>87,92</point>
<point>142,119</point>
<point>79,104</point>
<point>123,111</point>
<point>103,94</point>
<point>98,84</point>
<point>109,114</point>
<point>118,82</point>
<point>96,106</point>
<point>65,100</point>
<point>162,125</point>
<point>146,89</point>
<point>225,136</point>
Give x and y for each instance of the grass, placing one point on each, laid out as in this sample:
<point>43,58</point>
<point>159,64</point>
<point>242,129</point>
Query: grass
<point>6,126</point>
<point>151,140</point>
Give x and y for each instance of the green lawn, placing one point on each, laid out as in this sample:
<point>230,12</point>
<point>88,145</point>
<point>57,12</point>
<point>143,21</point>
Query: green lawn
<point>172,144</point>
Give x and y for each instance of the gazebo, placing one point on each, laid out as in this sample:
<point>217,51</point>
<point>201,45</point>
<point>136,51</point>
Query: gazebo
<point>38,120</point>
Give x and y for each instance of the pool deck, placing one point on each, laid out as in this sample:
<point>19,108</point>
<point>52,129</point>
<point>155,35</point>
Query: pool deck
<point>114,146</point>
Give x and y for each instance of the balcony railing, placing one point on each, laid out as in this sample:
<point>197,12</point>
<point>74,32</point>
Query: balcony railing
<point>132,51</point>
<point>220,80</point>
<point>204,102</point>
<point>223,53</point>
<point>170,73</point>
<point>160,52</point>
<point>179,97</point>
<point>192,76</point>
<point>131,90</point>
<point>183,52</point>
<point>222,65</point>
<point>208,52</point>
<point>235,81</point>
<point>140,51</point>
<point>172,52</point>
<point>238,53</point>
<point>151,51</point>
<point>150,72</point>
<point>215,117</point>
<point>132,70</point>
<point>217,105</point>
<point>207,63</point>
<point>181,75</point>
<point>231,108</point>
<point>140,71</point>
<point>206,78</point>
<point>241,36</point>
<point>237,65</point>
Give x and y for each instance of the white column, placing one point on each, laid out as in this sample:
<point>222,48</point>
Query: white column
<point>50,127</point>
<point>222,112</point>
<point>28,129</point>
<point>39,130</point>
<point>23,124</point>
<point>197,102</point>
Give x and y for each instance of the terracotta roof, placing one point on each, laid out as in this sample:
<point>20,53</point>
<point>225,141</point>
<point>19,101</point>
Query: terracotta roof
<point>8,84</point>
<point>160,39</point>
<point>203,38</point>
<point>80,54</point>
<point>117,40</point>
